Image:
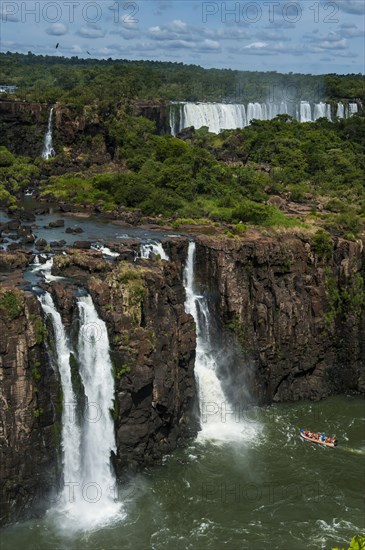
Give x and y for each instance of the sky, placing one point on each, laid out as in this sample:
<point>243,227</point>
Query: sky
<point>306,36</point>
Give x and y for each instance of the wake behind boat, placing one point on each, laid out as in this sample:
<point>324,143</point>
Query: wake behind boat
<point>320,438</point>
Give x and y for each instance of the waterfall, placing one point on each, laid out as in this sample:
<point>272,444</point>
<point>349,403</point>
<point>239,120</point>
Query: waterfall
<point>98,439</point>
<point>220,116</point>
<point>353,108</point>
<point>215,417</point>
<point>322,110</point>
<point>156,248</point>
<point>70,429</point>
<point>48,150</point>
<point>254,111</point>
<point>305,113</point>
<point>87,499</point>
<point>340,110</point>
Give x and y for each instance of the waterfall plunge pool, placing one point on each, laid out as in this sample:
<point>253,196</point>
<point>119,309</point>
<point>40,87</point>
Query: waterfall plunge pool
<point>272,491</point>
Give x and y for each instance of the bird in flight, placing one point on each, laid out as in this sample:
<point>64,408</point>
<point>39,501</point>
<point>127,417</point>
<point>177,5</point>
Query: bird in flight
<point>88,52</point>
<point>57,45</point>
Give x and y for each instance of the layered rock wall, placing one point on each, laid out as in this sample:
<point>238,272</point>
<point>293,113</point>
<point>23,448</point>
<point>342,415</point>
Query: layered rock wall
<point>299,322</point>
<point>30,408</point>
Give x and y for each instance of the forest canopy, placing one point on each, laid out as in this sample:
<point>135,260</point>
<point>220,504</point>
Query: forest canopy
<point>74,80</point>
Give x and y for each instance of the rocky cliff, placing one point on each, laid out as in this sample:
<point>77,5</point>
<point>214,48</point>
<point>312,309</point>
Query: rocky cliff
<point>29,412</point>
<point>287,325</point>
<point>296,323</point>
<point>76,132</point>
<point>153,350</point>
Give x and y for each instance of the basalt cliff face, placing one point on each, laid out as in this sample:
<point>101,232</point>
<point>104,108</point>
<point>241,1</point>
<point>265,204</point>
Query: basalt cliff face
<point>82,134</point>
<point>297,323</point>
<point>287,326</point>
<point>152,343</point>
<point>30,408</point>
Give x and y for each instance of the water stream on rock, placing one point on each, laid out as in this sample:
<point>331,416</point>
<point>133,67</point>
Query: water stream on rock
<point>217,421</point>
<point>48,151</point>
<point>88,499</point>
<point>154,248</point>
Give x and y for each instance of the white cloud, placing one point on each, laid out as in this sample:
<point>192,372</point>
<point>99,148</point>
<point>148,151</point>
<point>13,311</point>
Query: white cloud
<point>91,32</point>
<point>333,44</point>
<point>178,25</point>
<point>57,29</point>
<point>256,45</point>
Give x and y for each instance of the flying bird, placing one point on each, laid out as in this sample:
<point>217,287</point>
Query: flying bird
<point>57,45</point>
<point>88,52</point>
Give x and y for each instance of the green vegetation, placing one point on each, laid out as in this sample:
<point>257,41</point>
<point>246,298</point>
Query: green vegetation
<point>41,332</point>
<point>123,369</point>
<point>81,81</point>
<point>207,179</point>
<point>357,543</point>
<point>322,245</point>
<point>36,372</point>
<point>347,300</point>
<point>236,326</point>
<point>16,174</point>
<point>11,303</point>
<point>193,184</point>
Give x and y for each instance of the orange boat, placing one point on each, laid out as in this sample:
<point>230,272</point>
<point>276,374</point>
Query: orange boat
<point>320,438</point>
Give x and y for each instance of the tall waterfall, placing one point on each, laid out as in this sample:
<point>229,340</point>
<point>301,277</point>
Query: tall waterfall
<point>87,500</point>
<point>215,416</point>
<point>221,116</point>
<point>71,436</point>
<point>48,150</point>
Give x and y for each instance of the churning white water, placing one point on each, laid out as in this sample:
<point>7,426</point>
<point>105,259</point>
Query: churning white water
<point>220,116</point>
<point>88,499</point>
<point>155,248</point>
<point>70,429</point>
<point>217,422</point>
<point>48,150</point>
<point>98,438</point>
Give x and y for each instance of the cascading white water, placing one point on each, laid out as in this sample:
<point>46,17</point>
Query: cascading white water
<point>70,430</point>
<point>217,421</point>
<point>305,112</point>
<point>88,498</point>
<point>155,248</point>
<point>48,151</point>
<point>105,250</point>
<point>220,116</point>
<point>45,269</point>
<point>322,110</point>
<point>98,438</point>
<point>340,110</point>
<point>254,111</point>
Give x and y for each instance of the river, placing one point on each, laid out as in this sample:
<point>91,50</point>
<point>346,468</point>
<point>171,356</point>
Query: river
<point>268,491</point>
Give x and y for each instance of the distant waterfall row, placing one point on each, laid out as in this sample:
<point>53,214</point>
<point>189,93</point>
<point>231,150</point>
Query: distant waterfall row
<point>221,116</point>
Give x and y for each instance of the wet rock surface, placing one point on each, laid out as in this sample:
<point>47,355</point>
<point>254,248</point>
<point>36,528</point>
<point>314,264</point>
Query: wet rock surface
<point>29,425</point>
<point>277,301</point>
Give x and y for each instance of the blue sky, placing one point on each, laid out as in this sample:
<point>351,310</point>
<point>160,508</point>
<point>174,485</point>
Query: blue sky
<point>307,36</point>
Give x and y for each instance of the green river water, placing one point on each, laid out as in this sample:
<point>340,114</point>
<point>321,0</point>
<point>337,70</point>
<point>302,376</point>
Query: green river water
<point>268,490</point>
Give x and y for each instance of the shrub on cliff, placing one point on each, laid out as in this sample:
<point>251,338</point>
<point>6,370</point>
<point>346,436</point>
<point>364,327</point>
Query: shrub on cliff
<point>11,303</point>
<point>322,245</point>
